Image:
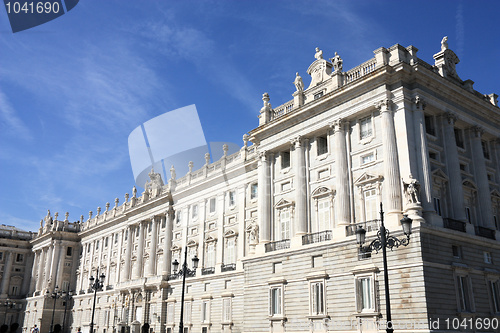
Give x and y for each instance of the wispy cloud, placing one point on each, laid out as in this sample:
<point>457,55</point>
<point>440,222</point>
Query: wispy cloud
<point>11,122</point>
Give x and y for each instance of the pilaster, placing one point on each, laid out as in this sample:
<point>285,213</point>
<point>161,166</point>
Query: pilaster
<point>453,167</point>
<point>7,270</point>
<point>167,242</point>
<point>264,197</point>
<point>483,188</point>
<point>154,242</point>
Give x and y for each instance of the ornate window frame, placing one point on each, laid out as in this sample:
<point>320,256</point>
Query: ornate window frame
<point>319,194</point>
<point>281,207</point>
<point>365,183</point>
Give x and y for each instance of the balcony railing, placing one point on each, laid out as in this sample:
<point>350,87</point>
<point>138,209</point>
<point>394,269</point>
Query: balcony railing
<point>371,225</point>
<point>454,225</point>
<point>207,270</point>
<point>317,237</point>
<point>227,267</point>
<point>485,232</point>
<point>278,245</point>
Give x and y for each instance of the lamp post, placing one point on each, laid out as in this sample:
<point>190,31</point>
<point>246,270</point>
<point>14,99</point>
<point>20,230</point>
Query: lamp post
<point>95,284</point>
<point>8,304</point>
<point>66,295</point>
<point>184,271</point>
<point>55,295</point>
<point>384,241</point>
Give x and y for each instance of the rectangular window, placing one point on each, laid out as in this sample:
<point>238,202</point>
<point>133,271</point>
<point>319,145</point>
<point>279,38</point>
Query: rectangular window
<point>212,205</point>
<point>457,251</point>
<point>429,125</point>
<point>495,295</point>
<point>318,95</point>
<point>254,191</point>
<point>69,251</point>
<point>468,215</point>
<point>65,286</point>
<point>464,295</point>
<point>277,266</point>
<point>231,198</point>
<point>275,298</point>
<point>210,255</point>
<point>459,137</point>
<point>365,125</point>
<point>19,257</point>
<point>170,313</point>
<point>437,205</point>
<point>14,290</point>
<point>230,249</point>
<point>106,242</point>
<point>187,312</point>
<point>323,215</point>
<point>365,296</point>
<point>487,257</point>
<point>194,211</point>
<point>226,310</point>
<point>367,158</point>
<point>1,255</point>
<point>486,150</point>
<point>285,159</point>
<point>322,145</point>
<point>284,225</point>
<point>317,261</point>
<point>370,205</point>
<point>317,296</point>
<point>205,312</point>
<point>97,245</point>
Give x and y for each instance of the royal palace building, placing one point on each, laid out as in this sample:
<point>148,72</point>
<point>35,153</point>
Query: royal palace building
<point>274,225</point>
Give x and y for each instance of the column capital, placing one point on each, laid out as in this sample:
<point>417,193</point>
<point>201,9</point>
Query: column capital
<point>451,117</point>
<point>337,125</point>
<point>297,141</point>
<point>478,131</point>
<point>262,155</point>
<point>419,103</point>
<point>384,105</point>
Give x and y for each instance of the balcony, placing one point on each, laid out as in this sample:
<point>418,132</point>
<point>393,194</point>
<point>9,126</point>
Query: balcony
<point>278,245</point>
<point>227,267</point>
<point>371,225</point>
<point>317,237</point>
<point>455,225</point>
<point>207,270</point>
<point>485,232</point>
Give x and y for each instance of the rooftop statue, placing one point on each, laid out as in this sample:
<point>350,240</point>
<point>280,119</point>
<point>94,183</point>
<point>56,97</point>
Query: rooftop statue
<point>156,182</point>
<point>444,43</point>
<point>299,84</point>
<point>337,63</point>
<point>319,54</point>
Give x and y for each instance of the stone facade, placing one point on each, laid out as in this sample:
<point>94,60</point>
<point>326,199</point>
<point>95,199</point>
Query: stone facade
<point>274,224</point>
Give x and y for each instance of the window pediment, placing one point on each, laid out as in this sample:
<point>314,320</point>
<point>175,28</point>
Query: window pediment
<point>283,203</point>
<point>230,233</point>
<point>210,239</point>
<point>469,183</point>
<point>439,174</point>
<point>367,178</point>
<point>322,191</point>
<point>191,243</point>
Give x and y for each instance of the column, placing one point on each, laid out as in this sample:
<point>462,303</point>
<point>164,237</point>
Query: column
<point>54,265</point>
<point>453,167</point>
<point>34,268</point>
<point>392,178</point>
<point>27,283</point>
<point>39,281</point>
<point>60,265</point>
<point>154,242</point>
<point>48,263</point>
<point>300,219</point>
<point>119,254</point>
<point>264,182</point>
<point>128,253</point>
<point>483,187</point>
<point>108,261</point>
<point>82,268</point>
<point>138,269</point>
<point>342,206</point>
<point>167,242</point>
<point>423,163</point>
<point>7,270</point>
<point>240,241</point>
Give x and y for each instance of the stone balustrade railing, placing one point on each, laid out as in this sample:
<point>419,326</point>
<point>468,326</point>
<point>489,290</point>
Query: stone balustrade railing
<point>359,71</point>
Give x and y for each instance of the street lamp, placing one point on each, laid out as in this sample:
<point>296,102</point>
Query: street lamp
<point>95,284</point>
<point>384,241</point>
<point>55,295</point>
<point>8,305</point>
<point>66,295</point>
<point>183,272</point>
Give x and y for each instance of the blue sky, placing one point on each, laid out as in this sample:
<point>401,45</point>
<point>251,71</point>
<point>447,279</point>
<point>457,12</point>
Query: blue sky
<point>73,89</point>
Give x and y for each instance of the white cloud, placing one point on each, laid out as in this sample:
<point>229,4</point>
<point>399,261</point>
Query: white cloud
<point>12,124</point>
